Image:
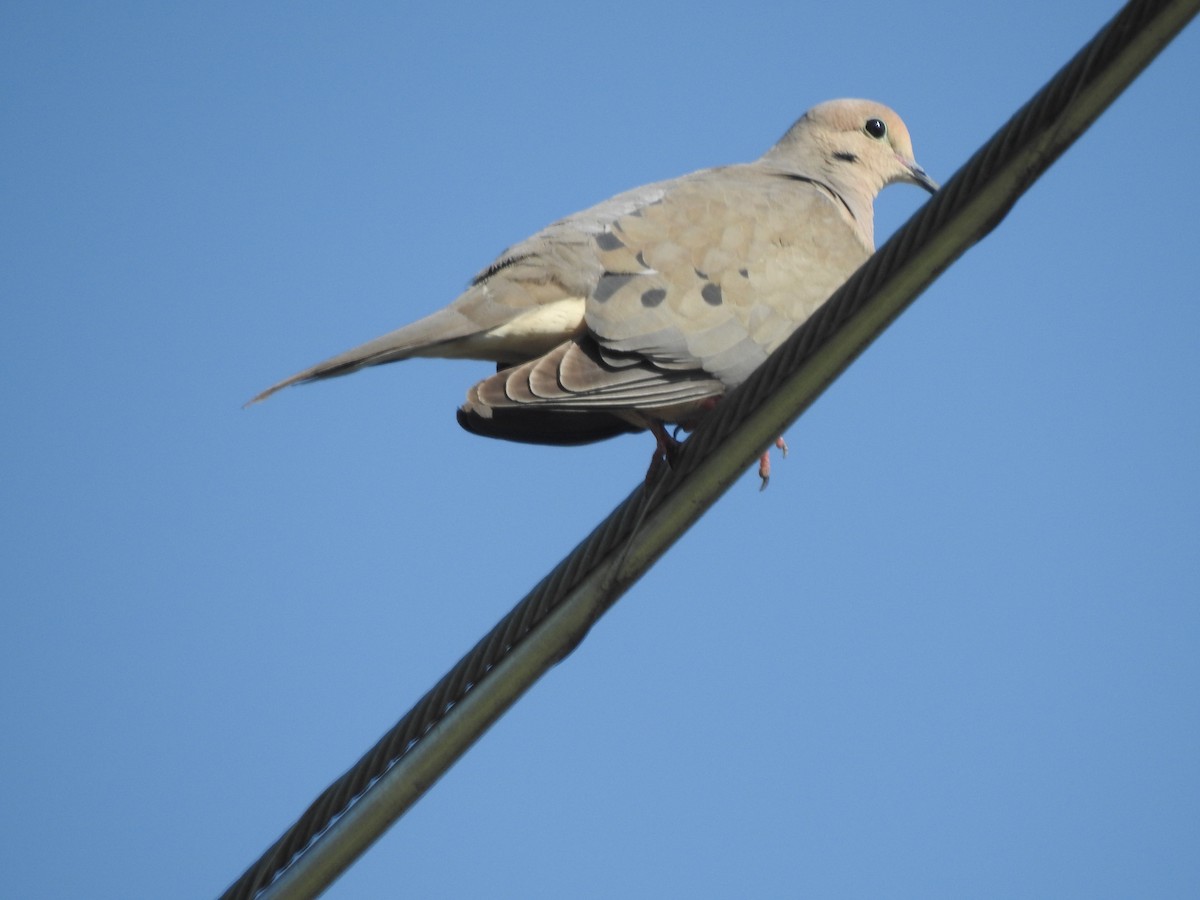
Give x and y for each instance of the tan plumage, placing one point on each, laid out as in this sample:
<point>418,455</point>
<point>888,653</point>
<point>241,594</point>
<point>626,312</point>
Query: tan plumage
<point>645,307</point>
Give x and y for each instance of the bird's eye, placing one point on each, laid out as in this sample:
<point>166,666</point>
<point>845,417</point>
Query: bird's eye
<point>876,129</point>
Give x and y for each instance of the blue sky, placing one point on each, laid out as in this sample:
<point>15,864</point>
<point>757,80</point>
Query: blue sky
<point>952,651</point>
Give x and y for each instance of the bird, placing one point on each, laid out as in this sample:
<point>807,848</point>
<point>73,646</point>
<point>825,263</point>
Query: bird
<point>642,311</point>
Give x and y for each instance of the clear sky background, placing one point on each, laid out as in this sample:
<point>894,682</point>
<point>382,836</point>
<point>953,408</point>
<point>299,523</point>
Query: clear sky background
<point>953,651</point>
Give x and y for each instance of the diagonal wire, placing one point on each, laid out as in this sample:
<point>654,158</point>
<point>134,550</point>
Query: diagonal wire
<point>550,621</point>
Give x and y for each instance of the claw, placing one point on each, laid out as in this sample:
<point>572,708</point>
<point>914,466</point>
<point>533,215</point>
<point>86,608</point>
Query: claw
<point>764,462</point>
<point>667,446</point>
<point>665,451</point>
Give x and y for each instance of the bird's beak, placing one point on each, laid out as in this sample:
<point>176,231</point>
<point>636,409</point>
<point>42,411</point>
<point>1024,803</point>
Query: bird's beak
<point>919,176</point>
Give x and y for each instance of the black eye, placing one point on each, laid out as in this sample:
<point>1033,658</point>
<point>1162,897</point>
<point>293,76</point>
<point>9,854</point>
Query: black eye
<point>876,129</point>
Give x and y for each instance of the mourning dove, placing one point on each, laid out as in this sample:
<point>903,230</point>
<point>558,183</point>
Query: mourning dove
<point>645,309</point>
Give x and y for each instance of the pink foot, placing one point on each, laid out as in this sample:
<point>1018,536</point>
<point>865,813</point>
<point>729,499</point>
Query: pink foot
<point>764,462</point>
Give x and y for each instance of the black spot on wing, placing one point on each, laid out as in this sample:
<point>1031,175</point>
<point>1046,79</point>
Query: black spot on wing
<point>653,297</point>
<point>606,240</point>
<point>609,284</point>
<point>712,294</point>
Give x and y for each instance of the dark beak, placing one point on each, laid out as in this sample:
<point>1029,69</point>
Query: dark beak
<point>921,178</point>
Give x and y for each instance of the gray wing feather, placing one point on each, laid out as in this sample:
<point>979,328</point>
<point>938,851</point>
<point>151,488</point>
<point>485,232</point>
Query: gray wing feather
<point>574,377</point>
<point>723,269</point>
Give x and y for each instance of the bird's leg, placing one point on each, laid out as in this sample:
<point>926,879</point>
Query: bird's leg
<point>764,462</point>
<point>667,445</point>
<point>665,451</point>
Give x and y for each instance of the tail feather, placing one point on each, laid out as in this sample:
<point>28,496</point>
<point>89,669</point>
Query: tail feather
<point>421,338</point>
